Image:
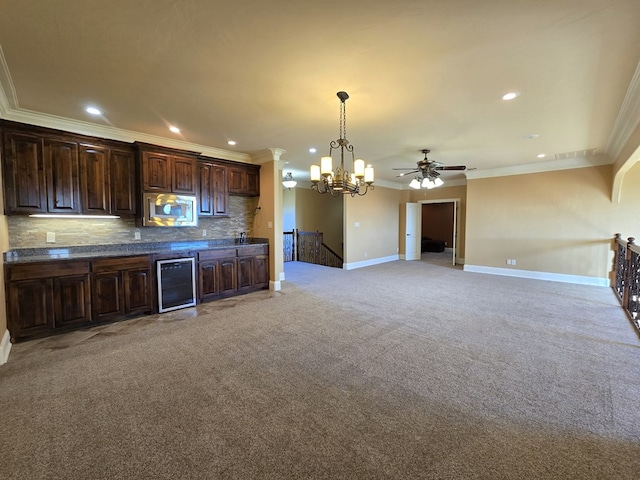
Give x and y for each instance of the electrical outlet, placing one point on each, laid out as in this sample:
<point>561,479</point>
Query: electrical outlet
<point>513,261</point>
<point>51,237</point>
<point>204,233</point>
<point>136,235</point>
<point>365,254</point>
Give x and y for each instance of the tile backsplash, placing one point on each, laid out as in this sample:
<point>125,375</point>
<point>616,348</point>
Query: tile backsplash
<point>26,232</point>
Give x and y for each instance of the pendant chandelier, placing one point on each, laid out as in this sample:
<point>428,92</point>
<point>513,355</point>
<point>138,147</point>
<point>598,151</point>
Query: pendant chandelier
<point>340,182</point>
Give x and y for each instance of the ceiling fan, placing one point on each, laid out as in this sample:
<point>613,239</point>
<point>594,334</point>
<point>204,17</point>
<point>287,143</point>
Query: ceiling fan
<point>429,168</point>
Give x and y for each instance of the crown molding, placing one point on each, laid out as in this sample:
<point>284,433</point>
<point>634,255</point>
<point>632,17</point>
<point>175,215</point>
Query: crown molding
<point>6,84</point>
<point>628,117</point>
<point>541,167</point>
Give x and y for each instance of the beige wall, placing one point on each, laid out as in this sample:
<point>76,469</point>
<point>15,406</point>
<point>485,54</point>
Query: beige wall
<point>377,214</point>
<point>267,222</point>
<point>556,222</point>
<point>322,213</point>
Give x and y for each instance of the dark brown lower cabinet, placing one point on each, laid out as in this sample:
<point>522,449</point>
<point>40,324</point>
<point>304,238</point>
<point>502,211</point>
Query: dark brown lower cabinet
<point>56,296</point>
<point>121,287</point>
<point>232,271</point>
<point>71,301</point>
<point>44,297</point>
<point>217,273</point>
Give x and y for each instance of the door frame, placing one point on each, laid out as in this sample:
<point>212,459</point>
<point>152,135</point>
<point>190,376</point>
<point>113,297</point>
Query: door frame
<point>456,219</point>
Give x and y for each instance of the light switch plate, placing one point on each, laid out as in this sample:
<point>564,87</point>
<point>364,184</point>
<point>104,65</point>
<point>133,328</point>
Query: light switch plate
<point>51,237</point>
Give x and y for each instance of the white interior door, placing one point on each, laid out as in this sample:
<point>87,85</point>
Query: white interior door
<point>414,227</point>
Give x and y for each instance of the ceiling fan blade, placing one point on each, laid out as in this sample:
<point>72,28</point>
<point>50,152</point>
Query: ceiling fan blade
<point>405,174</point>
<point>410,168</point>
<point>453,167</point>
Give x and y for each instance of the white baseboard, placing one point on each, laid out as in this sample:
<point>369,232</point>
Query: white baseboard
<point>275,285</point>
<point>5,347</point>
<point>368,263</point>
<point>553,277</point>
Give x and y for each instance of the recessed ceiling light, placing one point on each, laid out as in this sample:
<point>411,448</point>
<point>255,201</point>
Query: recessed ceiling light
<point>231,142</point>
<point>312,150</point>
<point>541,155</point>
<point>510,95</point>
<point>174,129</point>
<point>93,111</point>
<point>532,136</point>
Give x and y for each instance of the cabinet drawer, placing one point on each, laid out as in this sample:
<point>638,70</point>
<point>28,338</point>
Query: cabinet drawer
<point>218,253</point>
<point>119,263</point>
<point>253,250</point>
<point>47,270</point>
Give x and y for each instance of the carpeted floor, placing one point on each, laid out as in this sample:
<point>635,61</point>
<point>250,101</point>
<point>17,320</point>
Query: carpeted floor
<point>397,371</point>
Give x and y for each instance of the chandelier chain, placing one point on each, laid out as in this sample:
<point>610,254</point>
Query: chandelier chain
<point>343,120</point>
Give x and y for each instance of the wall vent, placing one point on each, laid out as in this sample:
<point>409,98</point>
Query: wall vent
<point>577,154</point>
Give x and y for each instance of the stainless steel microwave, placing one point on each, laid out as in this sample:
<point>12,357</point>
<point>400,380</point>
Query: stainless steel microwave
<point>169,210</point>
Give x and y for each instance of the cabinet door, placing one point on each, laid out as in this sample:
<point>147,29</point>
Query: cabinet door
<point>220,192</point>
<point>228,276</point>
<point>72,302</point>
<point>30,306</point>
<point>94,180</point>
<point>137,290</point>
<point>184,175</point>
<point>24,179</point>
<point>61,167</point>
<point>213,191</point>
<point>156,172</point>
<point>237,180</point>
<point>205,189</point>
<point>208,279</point>
<point>253,182</point>
<point>245,273</point>
<point>261,271</point>
<point>123,183</point>
<point>108,295</point>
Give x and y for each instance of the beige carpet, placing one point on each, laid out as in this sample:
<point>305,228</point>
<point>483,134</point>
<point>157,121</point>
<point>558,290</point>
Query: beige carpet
<point>401,370</point>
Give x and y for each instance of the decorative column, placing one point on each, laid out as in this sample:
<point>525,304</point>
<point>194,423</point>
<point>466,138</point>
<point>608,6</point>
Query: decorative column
<point>267,222</point>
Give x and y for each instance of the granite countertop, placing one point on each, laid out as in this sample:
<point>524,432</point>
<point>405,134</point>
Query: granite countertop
<point>25,255</point>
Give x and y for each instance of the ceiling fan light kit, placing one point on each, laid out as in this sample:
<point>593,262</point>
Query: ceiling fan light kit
<point>429,177</point>
<point>288,181</point>
<point>340,182</point>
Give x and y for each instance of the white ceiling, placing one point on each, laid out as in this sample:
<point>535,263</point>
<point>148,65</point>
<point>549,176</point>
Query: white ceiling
<point>420,74</point>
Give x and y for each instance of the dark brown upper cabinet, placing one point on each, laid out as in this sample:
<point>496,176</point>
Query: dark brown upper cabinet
<point>49,171</point>
<point>213,192</point>
<point>40,174</point>
<point>244,179</point>
<point>25,187</point>
<point>168,171</point>
<point>107,180</point>
<point>61,172</point>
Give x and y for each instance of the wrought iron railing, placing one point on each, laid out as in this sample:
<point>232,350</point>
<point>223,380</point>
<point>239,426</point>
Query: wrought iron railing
<point>289,246</point>
<point>309,247</point>
<point>627,282</point>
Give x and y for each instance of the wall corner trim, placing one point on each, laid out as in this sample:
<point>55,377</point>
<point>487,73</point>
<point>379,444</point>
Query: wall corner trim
<point>552,277</point>
<point>5,347</point>
<point>275,285</point>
